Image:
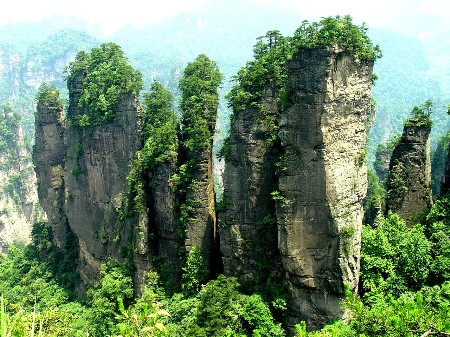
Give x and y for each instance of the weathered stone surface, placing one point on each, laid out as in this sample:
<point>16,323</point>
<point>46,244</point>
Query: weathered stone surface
<point>248,232</point>
<point>49,160</point>
<point>409,179</point>
<point>201,229</point>
<point>19,206</point>
<point>162,223</point>
<point>97,165</point>
<point>324,180</point>
<point>317,176</point>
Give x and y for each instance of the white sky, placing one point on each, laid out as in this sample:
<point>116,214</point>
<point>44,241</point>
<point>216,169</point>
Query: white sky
<point>111,15</point>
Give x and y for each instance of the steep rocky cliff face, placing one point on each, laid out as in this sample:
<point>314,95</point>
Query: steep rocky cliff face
<point>324,180</point>
<point>19,206</point>
<point>96,170</point>
<point>248,230</point>
<point>409,180</point>
<point>162,219</point>
<point>294,208</point>
<point>201,226</point>
<point>445,188</point>
<point>49,161</point>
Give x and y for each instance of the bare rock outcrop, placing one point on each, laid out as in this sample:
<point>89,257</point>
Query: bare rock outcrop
<point>49,161</point>
<point>248,230</point>
<point>409,180</point>
<point>97,166</point>
<point>294,208</point>
<point>19,205</point>
<point>323,181</point>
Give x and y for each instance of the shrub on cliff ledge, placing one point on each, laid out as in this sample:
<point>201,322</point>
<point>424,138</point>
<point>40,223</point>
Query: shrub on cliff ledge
<point>420,115</point>
<point>106,78</point>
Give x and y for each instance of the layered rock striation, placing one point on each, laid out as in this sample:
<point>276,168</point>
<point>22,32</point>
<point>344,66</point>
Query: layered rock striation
<point>19,205</point>
<point>127,191</point>
<point>97,166</point>
<point>294,206</point>
<point>409,180</point>
<point>323,181</point>
<point>247,225</point>
<point>49,161</point>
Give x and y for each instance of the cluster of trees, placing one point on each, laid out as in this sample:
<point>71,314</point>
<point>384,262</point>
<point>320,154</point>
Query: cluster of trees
<point>36,300</point>
<point>106,78</point>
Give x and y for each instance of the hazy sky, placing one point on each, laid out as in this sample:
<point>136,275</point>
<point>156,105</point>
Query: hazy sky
<point>112,14</point>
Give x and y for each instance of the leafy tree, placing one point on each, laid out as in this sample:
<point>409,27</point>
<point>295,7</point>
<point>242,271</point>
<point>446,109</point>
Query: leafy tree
<point>394,258</point>
<point>159,127</point>
<point>48,95</point>
<point>375,200</point>
<point>114,288</point>
<point>159,135</point>
<point>195,272</point>
<point>438,230</point>
<point>106,79</point>
<point>198,103</point>
<point>273,50</point>
<point>340,31</point>
<point>420,115</point>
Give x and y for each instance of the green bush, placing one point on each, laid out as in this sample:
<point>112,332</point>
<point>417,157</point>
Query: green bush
<point>394,258</point>
<point>195,273</point>
<point>106,79</point>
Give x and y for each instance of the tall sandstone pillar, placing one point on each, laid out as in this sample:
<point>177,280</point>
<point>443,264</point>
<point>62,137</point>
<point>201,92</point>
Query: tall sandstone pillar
<point>409,180</point>
<point>297,205</point>
<point>248,229</point>
<point>324,180</point>
<point>49,160</point>
<point>97,165</point>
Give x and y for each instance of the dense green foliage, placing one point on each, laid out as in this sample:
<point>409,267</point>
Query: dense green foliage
<point>405,280</point>
<point>337,31</point>
<point>198,104</point>
<point>374,203</point>
<point>393,258</point>
<point>107,78</point>
<point>438,162</point>
<point>400,264</point>
<point>271,52</point>
<point>159,127</point>
<point>36,304</point>
<point>160,142</point>
<point>48,96</point>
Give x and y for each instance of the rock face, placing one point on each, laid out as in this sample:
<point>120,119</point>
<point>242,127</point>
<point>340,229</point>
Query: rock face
<point>19,205</point>
<point>324,180</point>
<point>312,206</point>
<point>162,219</point>
<point>97,166</point>
<point>248,230</point>
<point>201,227</point>
<point>49,160</point>
<point>445,188</point>
<point>409,179</point>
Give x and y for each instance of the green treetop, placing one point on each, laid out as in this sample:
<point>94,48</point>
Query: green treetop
<point>273,50</point>
<point>420,115</point>
<point>159,127</point>
<point>48,96</point>
<point>340,31</point>
<point>106,78</point>
<point>199,101</point>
